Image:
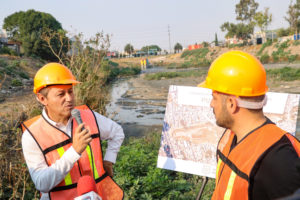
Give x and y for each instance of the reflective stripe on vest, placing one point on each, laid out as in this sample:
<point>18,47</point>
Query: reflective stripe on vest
<point>92,164</point>
<point>68,180</point>
<point>230,186</point>
<point>233,179</point>
<point>53,143</point>
<point>218,169</point>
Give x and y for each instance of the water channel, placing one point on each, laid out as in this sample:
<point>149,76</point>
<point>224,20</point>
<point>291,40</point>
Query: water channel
<point>139,116</point>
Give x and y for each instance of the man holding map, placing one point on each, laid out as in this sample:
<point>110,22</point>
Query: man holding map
<point>256,159</point>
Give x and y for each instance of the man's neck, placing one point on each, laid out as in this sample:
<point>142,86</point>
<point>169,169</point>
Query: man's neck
<point>57,118</point>
<point>248,123</point>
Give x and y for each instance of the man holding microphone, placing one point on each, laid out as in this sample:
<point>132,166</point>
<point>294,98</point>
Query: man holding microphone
<point>58,150</point>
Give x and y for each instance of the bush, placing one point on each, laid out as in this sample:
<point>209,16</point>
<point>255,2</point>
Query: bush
<point>6,50</point>
<point>285,74</point>
<point>265,58</point>
<point>3,63</point>
<point>16,82</point>
<point>137,174</point>
<point>263,46</point>
<point>292,58</point>
<point>23,75</point>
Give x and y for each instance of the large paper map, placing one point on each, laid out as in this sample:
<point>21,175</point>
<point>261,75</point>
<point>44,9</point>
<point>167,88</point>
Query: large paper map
<point>190,135</point>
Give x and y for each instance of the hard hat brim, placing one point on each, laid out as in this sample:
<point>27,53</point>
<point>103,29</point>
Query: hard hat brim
<point>202,84</point>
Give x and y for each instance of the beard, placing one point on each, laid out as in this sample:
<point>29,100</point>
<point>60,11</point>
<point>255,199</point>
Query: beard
<point>224,119</point>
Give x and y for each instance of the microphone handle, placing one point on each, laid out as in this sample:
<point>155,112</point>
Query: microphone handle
<point>79,121</point>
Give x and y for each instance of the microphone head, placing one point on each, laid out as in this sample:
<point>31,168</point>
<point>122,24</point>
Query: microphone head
<point>86,184</point>
<point>75,113</point>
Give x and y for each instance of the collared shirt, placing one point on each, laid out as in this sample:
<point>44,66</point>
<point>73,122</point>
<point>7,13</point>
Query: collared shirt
<point>47,177</point>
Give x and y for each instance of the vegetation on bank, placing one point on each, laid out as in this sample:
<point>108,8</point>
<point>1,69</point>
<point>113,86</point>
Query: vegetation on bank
<point>168,75</point>
<point>284,74</point>
<point>137,174</point>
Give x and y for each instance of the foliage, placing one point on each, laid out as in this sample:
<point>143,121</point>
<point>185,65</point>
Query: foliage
<point>280,53</point>
<point>137,174</point>
<point>292,58</point>
<point>28,27</point>
<point>151,47</point>
<point>239,30</point>
<point>293,16</point>
<point>15,182</point>
<point>296,42</point>
<point>6,50</point>
<point>246,10</point>
<point>284,74</point>
<point>177,47</point>
<point>263,19</point>
<point>284,32</point>
<point>129,49</point>
<point>16,82</point>
<point>201,52</point>
<point>263,46</point>
<point>264,58</point>
<point>161,75</point>
<point>216,40</point>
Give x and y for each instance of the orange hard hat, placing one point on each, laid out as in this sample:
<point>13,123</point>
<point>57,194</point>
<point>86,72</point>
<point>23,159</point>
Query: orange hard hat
<point>53,74</point>
<point>237,73</point>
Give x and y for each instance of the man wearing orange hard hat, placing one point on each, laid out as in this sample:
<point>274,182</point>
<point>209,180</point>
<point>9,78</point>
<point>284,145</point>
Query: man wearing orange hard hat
<point>256,159</point>
<point>59,149</point>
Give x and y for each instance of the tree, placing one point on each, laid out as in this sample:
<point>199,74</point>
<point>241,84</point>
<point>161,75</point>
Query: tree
<point>293,16</point>
<point>263,19</point>
<point>177,47</point>
<point>28,27</point>
<point>239,30</point>
<point>246,10</point>
<point>216,40</point>
<point>129,49</point>
<point>151,47</point>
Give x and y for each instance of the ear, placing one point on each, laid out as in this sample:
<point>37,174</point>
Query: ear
<point>232,104</point>
<point>42,99</point>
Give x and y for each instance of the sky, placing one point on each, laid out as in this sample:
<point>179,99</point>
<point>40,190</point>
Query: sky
<point>145,22</point>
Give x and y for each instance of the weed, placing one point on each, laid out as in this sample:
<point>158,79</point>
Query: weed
<point>16,82</point>
<point>284,74</point>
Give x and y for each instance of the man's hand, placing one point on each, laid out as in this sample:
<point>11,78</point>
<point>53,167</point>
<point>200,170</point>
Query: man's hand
<point>81,139</point>
<point>108,167</point>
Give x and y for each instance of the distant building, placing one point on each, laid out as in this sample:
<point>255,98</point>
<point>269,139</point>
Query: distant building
<point>233,40</point>
<point>262,37</point>
<point>3,37</point>
<point>112,54</point>
<point>4,42</point>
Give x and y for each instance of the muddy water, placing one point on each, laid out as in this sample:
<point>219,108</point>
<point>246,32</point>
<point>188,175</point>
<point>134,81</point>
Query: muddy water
<point>138,116</point>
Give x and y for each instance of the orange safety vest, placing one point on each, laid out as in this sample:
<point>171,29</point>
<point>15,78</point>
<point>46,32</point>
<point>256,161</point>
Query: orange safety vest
<point>234,167</point>
<point>54,142</point>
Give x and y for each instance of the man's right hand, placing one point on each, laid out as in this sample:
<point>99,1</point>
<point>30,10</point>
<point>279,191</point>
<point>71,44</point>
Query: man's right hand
<point>81,139</point>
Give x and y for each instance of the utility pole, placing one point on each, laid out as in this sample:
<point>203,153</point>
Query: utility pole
<point>169,38</point>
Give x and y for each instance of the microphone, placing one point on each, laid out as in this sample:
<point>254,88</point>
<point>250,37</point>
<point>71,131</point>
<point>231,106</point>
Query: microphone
<point>86,189</point>
<point>76,114</point>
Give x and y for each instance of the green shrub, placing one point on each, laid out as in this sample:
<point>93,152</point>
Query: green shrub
<point>292,58</point>
<point>137,174</point>
<point>3,63</point>
<point>285,74</point>
<point>6,50</point>
<point>23,75</point>
<point>16,82</point>
<point>265,58</point>
<point>296,42</point>
<point>168,75</point>
<point>263,46</point>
